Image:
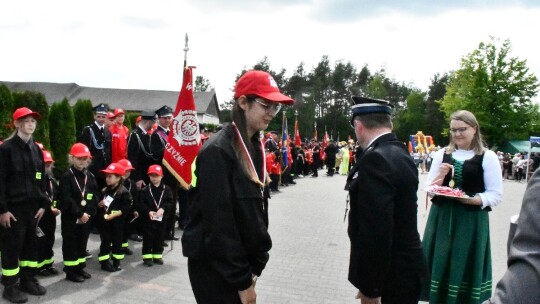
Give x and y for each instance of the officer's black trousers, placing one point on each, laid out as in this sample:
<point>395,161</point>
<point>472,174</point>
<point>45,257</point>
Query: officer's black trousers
<point>18,246</point>
<point>208,286</point>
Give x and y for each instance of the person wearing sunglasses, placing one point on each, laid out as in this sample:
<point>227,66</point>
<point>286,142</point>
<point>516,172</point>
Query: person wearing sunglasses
<point>456,239</point>
<point>226,238</point>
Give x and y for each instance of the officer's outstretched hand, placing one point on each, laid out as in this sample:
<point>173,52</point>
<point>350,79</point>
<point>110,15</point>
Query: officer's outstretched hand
<point>248,296</point>
<point>366,300</point>
<point>5,219</point>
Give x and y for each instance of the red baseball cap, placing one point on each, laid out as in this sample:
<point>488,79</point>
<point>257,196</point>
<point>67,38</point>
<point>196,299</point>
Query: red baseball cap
<point>23,112</point>
<point>155,169</point>
<point>126,164</point>
<point>118,112</point>
<point>139,118</point>
<point>261,84</point>
<point>110,115</point>
<point>115,168</point>
<point>80,150</point>
<point>47,157</point>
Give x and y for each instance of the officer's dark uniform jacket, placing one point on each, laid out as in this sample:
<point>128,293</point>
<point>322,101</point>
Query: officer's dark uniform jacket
<point>22,176</point>
<point>99,144</point>
<point>158,141</point>
<point>139,154</point>
<point>226,226</point>
<point>386,251</point>
<point>70,195</point>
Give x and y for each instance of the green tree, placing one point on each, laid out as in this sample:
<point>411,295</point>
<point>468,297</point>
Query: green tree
<point>85,115</point>
<point>497,88</point>
<point>6,109</point>
<point>320,82</point>
<point>412,118</point>
<point>434,116</point>
<point>130,121</point>
<point>61,133</point>
<point>36,102</point>
<point>202,84</point>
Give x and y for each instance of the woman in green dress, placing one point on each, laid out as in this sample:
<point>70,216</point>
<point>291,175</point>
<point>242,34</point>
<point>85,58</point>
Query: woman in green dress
<point>456,239</point>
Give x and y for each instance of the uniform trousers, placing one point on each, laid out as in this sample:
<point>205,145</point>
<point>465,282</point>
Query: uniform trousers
<point>111,235</point>
<point>46,242</point>
<point>153,238</point>
<point>18,246</point>
<point>208,286</point>
<point>74,241</point>
<point>408,275</point>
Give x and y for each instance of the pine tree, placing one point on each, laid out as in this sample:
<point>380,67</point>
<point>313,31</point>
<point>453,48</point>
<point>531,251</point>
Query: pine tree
<point>62,133</point>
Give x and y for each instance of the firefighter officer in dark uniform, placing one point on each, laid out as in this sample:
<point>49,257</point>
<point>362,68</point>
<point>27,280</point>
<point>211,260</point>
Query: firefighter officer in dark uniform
<point>97,138</point>
<point>158,141</point>
<point>22,205</point>
<point>139,149</point>
<point>387,263</point>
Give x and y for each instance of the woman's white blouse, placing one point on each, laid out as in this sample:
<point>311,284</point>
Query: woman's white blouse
<point>492,174</point>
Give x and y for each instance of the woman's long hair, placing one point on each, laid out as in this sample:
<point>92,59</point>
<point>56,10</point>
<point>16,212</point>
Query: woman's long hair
<point>239,119</point>
<point>477,144</point>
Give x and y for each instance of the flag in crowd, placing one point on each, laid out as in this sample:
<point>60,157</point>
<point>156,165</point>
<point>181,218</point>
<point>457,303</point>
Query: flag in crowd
<point>297,140</point>
<point>284,145</point>
<point>184,139</point>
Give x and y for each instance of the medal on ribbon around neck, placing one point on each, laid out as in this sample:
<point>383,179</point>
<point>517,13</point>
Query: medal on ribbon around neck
<point>83,203</point>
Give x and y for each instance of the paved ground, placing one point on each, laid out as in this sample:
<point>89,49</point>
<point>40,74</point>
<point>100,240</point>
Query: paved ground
<point>308,261</point>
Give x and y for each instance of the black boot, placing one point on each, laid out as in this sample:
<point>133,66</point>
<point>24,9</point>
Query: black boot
<point>116,265</point>
<point>107,266</point>
<point>33,287</point>
<point>14,294</point>
<point>85,275</point>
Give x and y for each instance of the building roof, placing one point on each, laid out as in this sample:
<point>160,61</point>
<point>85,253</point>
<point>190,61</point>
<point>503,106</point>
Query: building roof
<point>127,99</point>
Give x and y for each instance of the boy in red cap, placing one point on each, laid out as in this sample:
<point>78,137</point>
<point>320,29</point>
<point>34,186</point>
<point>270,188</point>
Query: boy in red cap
<point>119,134</point>
<point>78,199</point>
<point>48,221</point>
<point>22,204</point>
<point>115,204</point>
<point>155,204</point>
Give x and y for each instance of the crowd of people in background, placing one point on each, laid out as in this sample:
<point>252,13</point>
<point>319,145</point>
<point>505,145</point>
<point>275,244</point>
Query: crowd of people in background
<point>284,165</point>
<point>116,185</point>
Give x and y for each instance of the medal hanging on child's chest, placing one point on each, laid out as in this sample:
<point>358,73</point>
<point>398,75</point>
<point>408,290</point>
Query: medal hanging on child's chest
<point>83,189</point>
<point>158,203</point>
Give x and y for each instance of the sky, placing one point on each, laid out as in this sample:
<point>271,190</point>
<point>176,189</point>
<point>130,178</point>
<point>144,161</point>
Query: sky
<point>139,44</point>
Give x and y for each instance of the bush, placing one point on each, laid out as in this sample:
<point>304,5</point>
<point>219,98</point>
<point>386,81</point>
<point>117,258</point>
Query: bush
<point>62,133</point>
<point>131,117</point>
<point>84,113</point>
<point>36,102</point>
<point>6,106</point>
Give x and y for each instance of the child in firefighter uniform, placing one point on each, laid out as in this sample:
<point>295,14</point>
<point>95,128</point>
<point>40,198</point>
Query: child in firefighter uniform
<point>47,224</point>
<point>22,204</point>
<point>78,197</point>
<point>114,205</point>
<point>155,203</point>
